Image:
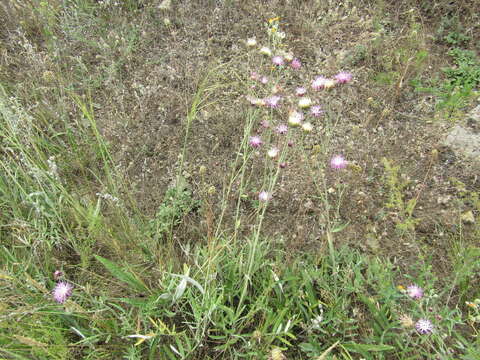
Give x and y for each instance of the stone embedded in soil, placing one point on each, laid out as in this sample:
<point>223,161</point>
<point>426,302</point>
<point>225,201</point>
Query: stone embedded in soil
<point>468,218</point>
<point>465,139</point>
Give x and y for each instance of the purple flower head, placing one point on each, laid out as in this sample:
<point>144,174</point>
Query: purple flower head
<point>338,162</point>
<point>424,326</point>
<point>273,101</point>
<point>278,60</point>
<point>264,80</point>
<point>281,129</point>
<point>283,165</point>
<point>316,110</point>
<point>296,64</point>
<point>414,291</point>
<point>62,291</point>
<point>319,83</point>
<point>343,77</point>
<point>300,91</point>
<point>264,196</point>
<point>255,141</point>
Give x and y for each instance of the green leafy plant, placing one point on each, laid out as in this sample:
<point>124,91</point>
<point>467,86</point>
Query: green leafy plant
<point>396,198</point>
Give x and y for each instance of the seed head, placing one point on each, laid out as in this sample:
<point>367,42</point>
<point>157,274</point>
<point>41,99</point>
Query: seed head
<point>304,102</point>
<point>266,51</point>
<point>251,42</point>
<point>273,152</point>
<point>295,118</point>
<point>329,83</point>
<point>307,127</point>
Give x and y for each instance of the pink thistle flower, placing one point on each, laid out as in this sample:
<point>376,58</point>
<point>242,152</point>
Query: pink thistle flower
<point>424,326</point>
<point>283,165</point>
<point>264,80</point>
<point>254,76</point>
<point>62,292</point>
<point>415,292</point>
<point>338,162</point>
<point>296,64</point>
<point>255,141</point>
<point>343,77</point>
<point>264,196</point>
<point>273,101</point>
<point>282,129</point>
<point>290,144</point>
<point>278,60</point>
<point>316,110</point>
<point>300,91</point>
<point>273,152</point>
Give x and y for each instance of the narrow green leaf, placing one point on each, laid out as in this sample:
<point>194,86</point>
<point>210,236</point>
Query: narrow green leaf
<point>122,275</point>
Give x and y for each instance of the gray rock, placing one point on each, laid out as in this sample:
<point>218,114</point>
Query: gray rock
<point>464,138</point>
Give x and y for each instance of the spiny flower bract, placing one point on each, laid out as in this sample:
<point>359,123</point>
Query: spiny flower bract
<point>304,102</point>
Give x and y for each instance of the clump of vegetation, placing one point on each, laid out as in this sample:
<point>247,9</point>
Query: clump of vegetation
<point>211,201</point>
